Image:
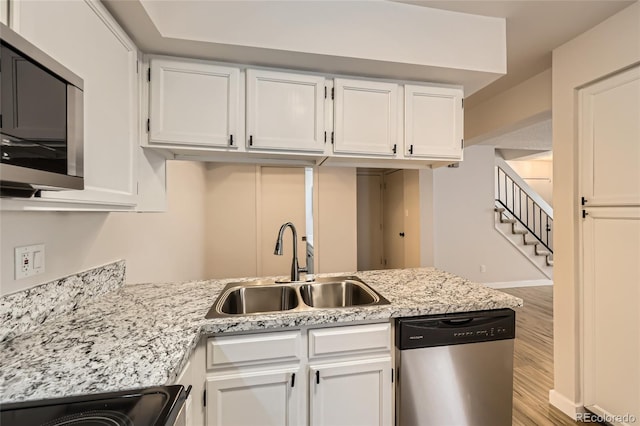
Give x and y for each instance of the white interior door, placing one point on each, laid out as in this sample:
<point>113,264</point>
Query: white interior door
<point>393,220</point>
<point>610,140</point>
<point>611,277</point>
<point>281,199</point>
<point>369,199</point>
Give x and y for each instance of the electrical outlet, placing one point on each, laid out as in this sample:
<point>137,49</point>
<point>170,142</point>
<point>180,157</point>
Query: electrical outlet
<point>483,268</point>
<point>29,261</point>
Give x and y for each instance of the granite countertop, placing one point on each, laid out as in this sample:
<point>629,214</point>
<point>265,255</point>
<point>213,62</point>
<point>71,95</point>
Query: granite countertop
<point>142,335</point>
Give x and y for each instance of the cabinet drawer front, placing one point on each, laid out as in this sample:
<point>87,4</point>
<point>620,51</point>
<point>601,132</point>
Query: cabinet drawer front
<point>366,338</point>
<point>222,351</point>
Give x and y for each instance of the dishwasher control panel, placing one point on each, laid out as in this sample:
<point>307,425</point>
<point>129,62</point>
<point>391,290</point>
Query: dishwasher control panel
<point>453,329</point>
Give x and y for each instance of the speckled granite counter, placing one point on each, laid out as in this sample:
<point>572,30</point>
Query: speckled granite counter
<point>142,335</point>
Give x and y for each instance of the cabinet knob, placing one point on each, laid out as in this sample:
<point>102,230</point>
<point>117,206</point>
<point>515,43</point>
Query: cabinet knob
<point>402,234</point>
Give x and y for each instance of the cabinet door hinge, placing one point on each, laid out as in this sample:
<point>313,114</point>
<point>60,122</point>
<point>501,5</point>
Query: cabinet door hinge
<point>395,148</point>
<point>411,149</point>
<point>333,93</point>
<point>462,103</point>
<point>250,140</point>
<point>325,136</point>
<point>392,375</point>
<point>325,92</point>
<point>148,125</point>
<point>204,398</point>
<point>331,138</point>
<point>230,140</point>
<point>137,67</point>
<point>462,143</point>
<point>137,187</point>
<point>293,379</point>
<point>149,74</point>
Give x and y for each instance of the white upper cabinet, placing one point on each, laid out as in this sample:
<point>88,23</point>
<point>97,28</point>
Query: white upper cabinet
<point>433,122</point>
<point>194,103</point>
<point>366,117</point>
<point>285,111</point>
<point>82,36</point>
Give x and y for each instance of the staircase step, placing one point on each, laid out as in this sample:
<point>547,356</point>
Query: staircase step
<point>505,220</point>
<point>519,231</point>
<point>549,261</point>
<point>499,209</point>
<point>530,242</point>
<point>542,252</point>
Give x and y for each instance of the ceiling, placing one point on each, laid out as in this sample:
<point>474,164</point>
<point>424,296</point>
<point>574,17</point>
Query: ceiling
<point>534,29</point>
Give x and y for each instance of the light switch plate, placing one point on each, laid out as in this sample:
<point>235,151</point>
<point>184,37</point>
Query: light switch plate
<point>29,261</point>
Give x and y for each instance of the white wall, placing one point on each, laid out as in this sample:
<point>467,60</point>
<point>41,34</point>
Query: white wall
<point>157,246</point>
<point>538,174</point>
<point>608,47</point>
<point>465,237</point>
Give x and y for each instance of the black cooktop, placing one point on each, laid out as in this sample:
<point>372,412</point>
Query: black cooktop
<point>156,406</point>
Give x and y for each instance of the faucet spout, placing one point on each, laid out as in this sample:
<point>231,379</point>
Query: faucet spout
<point>295,269</point>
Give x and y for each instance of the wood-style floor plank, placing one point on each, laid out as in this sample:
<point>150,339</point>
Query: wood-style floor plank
<point>533,362</point>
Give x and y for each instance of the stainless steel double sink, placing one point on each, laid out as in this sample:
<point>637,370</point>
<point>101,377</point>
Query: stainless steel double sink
<point>260,297</point>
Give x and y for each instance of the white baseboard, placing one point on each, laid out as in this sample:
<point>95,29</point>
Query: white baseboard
<point>525,283</point>
<point>565,405</point>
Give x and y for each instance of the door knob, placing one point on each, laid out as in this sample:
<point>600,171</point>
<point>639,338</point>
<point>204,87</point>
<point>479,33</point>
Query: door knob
<point>402,234</point>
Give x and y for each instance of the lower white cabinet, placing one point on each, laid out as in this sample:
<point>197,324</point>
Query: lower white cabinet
<point>267,398</point>
<point>323,376</point>
<point>351,393</point>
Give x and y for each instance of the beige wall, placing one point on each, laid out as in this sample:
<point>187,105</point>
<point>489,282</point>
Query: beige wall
<point>413,231</point>
<point>230,248</point>
<point>235,246</point>
<point>520,106</point>
<point>157,246</point>
<point>606,48</point>
<point>336,227</point>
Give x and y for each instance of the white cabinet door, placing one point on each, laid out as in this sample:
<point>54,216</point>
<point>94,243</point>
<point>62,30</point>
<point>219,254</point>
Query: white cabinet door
<point>433,122</point>
<point>611,240</point>
<point>86,39</point>
<point>193,102</point>
<point>265,398</point>
<point>285,111</point>
<point>610,140</point>
<point>351,393</point>
<point>366,117</point>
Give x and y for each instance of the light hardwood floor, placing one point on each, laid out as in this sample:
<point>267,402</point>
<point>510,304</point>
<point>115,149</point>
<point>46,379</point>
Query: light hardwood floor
<point>533,363</point>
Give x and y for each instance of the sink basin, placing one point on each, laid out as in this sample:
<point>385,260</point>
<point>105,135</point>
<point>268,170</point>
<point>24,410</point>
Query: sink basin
<point>251,300</point>
<point>260,297</point>
<point>337,294</point>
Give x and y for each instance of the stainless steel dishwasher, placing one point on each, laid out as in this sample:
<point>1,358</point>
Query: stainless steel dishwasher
<point>455,369</point>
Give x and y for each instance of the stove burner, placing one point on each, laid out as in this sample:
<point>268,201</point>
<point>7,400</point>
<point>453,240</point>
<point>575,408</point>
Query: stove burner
<point>92,418</point>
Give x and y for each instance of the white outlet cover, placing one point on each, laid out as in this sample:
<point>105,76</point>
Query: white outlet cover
<point>29,261</point>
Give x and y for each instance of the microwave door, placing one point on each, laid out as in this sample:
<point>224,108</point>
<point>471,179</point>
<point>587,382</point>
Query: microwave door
<point>34,110</point>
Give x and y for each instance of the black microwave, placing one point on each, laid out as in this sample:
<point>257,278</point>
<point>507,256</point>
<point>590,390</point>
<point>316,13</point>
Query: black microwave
<point>41,120</point>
